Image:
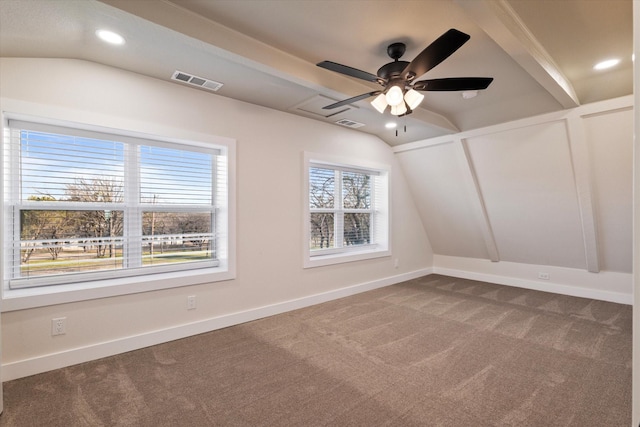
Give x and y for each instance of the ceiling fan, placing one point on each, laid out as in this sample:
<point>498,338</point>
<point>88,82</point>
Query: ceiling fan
<point>399,90</point>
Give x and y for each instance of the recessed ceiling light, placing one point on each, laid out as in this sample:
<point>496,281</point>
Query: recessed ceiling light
<point>390,125</point>
<point>110,37</point>
<point>606,64</point>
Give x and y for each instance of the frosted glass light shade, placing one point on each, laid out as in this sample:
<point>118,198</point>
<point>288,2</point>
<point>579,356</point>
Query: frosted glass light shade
<point>394,96</point>
<point>397,110</point>
<point>380,103</point>
<point>413,98</point>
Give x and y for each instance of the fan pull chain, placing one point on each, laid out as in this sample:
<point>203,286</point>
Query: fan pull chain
<point>405,125</point>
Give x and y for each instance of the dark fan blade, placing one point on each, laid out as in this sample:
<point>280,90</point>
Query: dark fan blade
<point>453,83</point>
<point>436,52</point>
<point>352,100</point>
<point>349,71</point>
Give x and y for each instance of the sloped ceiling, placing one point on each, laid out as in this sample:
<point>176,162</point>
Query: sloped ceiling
<point>540,53</point>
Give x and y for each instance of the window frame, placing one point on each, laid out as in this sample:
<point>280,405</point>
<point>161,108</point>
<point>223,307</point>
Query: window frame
<point>379,209</point>
<point>145,279</point>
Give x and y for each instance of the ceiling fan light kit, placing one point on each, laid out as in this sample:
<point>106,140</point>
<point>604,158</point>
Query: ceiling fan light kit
<point>400,91</point>
<point>413,98</point>
<point>394,96</point>
<point>398,110</point>
<point>380,102</point>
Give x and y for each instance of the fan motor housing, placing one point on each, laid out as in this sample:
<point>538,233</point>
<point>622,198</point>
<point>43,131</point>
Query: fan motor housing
<point>392,70</point>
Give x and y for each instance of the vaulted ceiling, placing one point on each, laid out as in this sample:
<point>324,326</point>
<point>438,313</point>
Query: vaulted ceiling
<point>540,53</point>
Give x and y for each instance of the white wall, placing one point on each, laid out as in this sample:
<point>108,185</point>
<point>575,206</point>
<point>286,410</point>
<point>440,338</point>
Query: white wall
<point>270,277</point>
<point>550,194</point>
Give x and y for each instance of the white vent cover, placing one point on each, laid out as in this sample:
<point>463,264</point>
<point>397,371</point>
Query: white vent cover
<point>349,123</point>
<point>196,81</point>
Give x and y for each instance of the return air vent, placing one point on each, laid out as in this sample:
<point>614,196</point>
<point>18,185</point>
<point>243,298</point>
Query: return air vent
<point>196,81</point>
<point>349,123</point>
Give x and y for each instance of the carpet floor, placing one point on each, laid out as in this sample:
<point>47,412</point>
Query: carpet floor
<point>434,351</point>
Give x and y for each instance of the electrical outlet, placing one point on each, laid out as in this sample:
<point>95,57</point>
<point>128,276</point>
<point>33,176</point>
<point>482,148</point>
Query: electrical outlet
<point>543,276</point>
<point>191,302</point>
<point>58,326</point>
<point>396,263</point>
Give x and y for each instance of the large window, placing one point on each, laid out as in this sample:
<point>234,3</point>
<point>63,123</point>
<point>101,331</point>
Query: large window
<point>82,206</point>
<point>347,211</point>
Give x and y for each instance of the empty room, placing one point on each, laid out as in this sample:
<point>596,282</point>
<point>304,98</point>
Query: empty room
<point>319,213</point>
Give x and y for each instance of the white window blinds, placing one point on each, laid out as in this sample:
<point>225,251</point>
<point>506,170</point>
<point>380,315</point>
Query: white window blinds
<point>347,210</point>
<point>84,205</point>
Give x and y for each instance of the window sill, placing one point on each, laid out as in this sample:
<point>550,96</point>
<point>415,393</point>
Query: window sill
<point>339,258</point>
<point>20,299</point>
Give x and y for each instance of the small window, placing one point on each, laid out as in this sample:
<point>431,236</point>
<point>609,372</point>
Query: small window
<point>346,215</point>
<point>82,206</point>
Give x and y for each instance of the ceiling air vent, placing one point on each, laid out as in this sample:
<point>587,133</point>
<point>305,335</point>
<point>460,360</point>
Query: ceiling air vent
<point>349,123</point>
<point>196,81</point>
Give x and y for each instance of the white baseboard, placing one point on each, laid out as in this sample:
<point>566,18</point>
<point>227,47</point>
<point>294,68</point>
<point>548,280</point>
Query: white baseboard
<point>36,365</point>
<point>547,286</point>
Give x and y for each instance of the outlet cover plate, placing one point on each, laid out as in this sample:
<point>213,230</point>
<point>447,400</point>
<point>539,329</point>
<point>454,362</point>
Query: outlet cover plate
<point>58,326</point>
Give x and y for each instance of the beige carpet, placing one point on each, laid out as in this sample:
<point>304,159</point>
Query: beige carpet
<point>434,351</point>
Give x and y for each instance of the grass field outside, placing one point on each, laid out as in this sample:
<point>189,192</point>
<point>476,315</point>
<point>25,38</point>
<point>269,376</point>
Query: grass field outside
<point>41,264</point>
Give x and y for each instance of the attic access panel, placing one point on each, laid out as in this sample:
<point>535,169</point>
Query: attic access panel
<point>314,107</point>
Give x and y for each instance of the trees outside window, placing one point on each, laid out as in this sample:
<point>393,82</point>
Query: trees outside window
<point>43,225</point>
<point>347,210</point>
<point>93,203</point>
<point>340,204</point>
